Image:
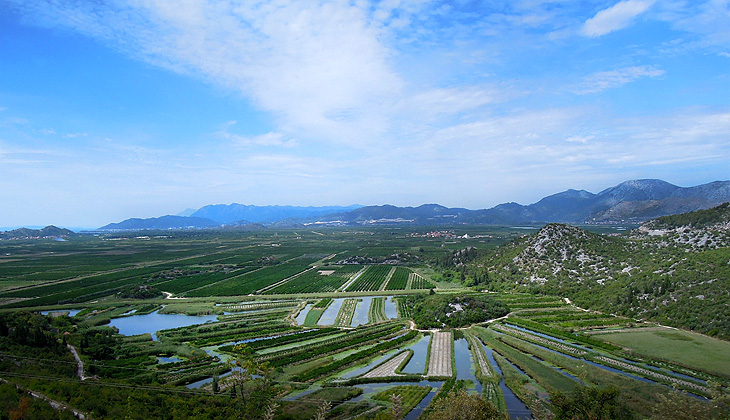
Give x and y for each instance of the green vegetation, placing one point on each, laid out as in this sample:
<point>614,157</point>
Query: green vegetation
<point>691,350</point>
<point>462,406</point>
<point>371,279</point>
<point>438,311</point>
<point>410,396</point>
<point>253,283</point>
<point>376,313</point>
<point>399,279</point>
<point>315,313</point>
<point>700,218</point>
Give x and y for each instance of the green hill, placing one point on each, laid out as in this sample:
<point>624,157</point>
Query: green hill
<point>655,277</point>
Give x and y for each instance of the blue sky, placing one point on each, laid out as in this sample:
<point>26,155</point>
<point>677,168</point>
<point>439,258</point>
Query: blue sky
<point>117,109</point>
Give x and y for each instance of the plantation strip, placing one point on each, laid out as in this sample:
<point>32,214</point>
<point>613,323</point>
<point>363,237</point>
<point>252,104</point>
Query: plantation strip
<point>544,375</point>
<point>259,305</point>
<point>440,360</point>
<point>347,311</point>
<point>387,279</point>
<point>355,338</point>
<point>390,366</point>
<point>477,351</point>
<point>398,279</point>
<point>338,364</point>
<point>539,340</point>
<point>352,279</point>
<point>286,339</point>
<point>371,279</point>
<point>644,394</point>
<point>376,313</point>
<point>417,282</point>
<point>410,396</point>
<point>279,283</point>
<point>581,338</point>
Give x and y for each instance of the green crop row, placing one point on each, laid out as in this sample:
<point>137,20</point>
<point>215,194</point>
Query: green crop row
<point>399,279</point>
<point>283,339</point>
<point>371,279</point>
<point>355,338</point>
<point>376,313</point>
<point>418,282</point>
<point>362,354</point>
<point>313,282</point>
<point>255,280</point>
<point>410,395</point>
<point>581,338</point>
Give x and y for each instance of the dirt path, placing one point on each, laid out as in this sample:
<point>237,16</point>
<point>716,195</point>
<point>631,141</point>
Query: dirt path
<point>79,363</point>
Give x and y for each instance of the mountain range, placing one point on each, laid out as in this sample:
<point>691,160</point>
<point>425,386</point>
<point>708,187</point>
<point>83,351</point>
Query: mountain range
<point>632,201</point>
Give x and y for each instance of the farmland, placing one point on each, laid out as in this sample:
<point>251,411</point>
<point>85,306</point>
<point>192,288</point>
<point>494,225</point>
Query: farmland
<point>270,316</point>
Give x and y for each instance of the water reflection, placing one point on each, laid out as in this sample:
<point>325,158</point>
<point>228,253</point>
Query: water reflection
<point>330,314</point>
<point>417,364</point>
<point>151,323</point>
<point>361,312</point>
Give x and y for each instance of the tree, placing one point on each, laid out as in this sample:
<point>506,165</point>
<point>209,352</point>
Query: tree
<point>462,406</point>
<point>590,404</point>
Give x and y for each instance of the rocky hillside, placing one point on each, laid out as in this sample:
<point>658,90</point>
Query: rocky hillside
<point>704,229</point>
<point>680,277</point>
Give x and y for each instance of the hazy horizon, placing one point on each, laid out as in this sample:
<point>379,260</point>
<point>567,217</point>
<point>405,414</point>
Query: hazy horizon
<point>115,110</point>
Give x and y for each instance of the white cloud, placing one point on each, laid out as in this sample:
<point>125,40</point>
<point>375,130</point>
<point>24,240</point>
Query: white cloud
<point>615,17</point>
<point>598,82</point>
<point>320,68</point>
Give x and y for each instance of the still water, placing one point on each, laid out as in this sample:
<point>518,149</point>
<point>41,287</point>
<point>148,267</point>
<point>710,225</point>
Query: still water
<point>151,323</point>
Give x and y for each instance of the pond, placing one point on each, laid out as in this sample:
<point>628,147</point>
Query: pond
<point>330,314</point>
<point>465,368</point>
<point>391,310</point>
<point>303,314</point>
<point>153,322</point>
<point>361,311</point>
<point>162,360</point>
<point>417,364</point>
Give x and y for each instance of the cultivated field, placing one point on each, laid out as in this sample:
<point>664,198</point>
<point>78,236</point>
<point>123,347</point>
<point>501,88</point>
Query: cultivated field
<point>439,363</point>
<point>389,367</point>
<point>693,350</point>
<point>250,291</point>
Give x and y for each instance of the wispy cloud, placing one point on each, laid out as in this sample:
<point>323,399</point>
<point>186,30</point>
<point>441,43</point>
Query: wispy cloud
<point>598,82</point>
<point>616,17</point>
<point>319,67</point>
<point>267,139</point>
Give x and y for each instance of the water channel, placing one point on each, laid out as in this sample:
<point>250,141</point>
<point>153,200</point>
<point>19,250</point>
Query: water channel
<point>515,407</point>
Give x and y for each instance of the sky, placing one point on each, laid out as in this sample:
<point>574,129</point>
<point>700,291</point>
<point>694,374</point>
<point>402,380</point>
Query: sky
<point>140,108</point>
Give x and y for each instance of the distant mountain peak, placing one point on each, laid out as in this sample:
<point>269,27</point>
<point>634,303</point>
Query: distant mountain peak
<point>632,201</point>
